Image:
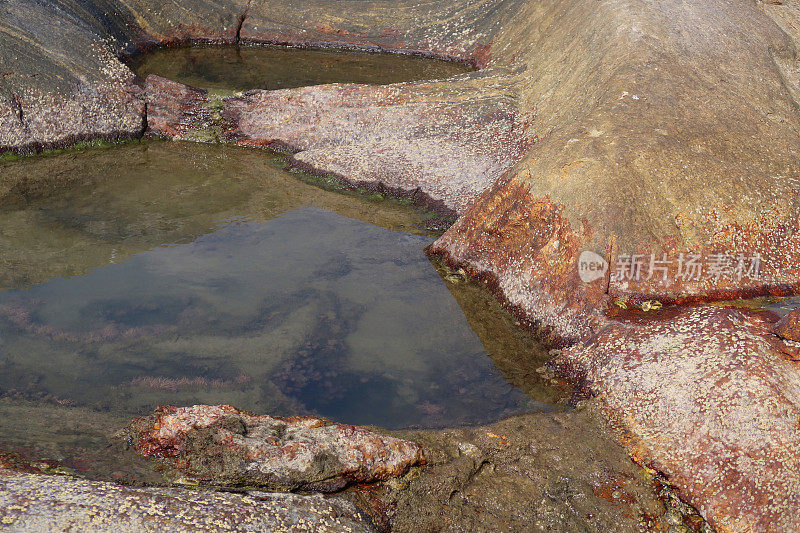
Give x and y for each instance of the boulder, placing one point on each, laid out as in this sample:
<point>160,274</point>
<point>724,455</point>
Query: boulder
<point>221,445</point>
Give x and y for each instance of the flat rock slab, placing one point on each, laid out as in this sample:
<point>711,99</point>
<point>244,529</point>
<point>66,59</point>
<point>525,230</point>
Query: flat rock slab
<point>561,472</point>
<point>406,137</point>
<point>221,445</point>
<point>33,502</point>
<point>710,399</point>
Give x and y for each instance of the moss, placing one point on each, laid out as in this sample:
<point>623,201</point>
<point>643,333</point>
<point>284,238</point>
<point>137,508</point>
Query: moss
<point>7,157</point>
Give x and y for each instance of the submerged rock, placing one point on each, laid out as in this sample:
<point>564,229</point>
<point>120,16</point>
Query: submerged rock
<point>32,502</point>
<point>221,445</point>
<point>559,471</point>
<point>708,398</point>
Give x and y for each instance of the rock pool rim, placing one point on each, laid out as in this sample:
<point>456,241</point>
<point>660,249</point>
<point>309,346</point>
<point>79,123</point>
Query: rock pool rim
<point>134,54</point>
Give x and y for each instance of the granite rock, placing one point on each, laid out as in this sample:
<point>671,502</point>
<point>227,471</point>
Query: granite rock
<point>706,396</point>
<point>34,502</point>
<point>221,445</point>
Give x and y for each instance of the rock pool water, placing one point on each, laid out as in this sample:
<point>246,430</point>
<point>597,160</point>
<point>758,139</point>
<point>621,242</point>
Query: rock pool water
<point>180,273</point>
<point>241,68</point>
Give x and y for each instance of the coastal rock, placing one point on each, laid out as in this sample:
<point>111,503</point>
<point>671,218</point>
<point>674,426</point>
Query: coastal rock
<point>788,327</point>
<point>221,445</point>
<point>33,502</point>
<point>707,397</point>
<point>594,111</point>
<point>173,109</point>
<point>559,471</point>
<point>408,138</point>
<point>60,82</point>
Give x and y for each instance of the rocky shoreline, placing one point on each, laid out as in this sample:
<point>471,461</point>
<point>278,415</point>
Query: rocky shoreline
<point>617,127</point>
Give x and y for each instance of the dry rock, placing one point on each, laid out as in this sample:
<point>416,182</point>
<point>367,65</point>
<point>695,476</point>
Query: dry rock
<point>788,327</point>
<point>221,445</point>
<point>33,502</point>
<point>708,398</point>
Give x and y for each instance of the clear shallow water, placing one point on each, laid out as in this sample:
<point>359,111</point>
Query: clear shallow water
<point>269,67</point>
<point>180,273</point>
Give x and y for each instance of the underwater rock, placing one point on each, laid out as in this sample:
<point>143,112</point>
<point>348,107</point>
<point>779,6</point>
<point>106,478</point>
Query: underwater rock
<point>708,398</point>
<point>221,445</point>
<point>558,471</point>
<point>34,502</point>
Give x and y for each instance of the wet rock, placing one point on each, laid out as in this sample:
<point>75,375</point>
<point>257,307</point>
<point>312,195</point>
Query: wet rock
<point>31,502</point>
<point>221,445</point>
<point>788,327</point>
<point>59,82</point>
<point>582,121</point>
<point>173,109</point>
<point>708,398</point>
<point>536,472</point>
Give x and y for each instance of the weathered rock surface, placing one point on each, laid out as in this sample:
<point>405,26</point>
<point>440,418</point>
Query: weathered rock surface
<point>638,130</point>
<point>612,131</point>
<point>708,398</point>
<point>60,81</point>
<point>408,137</point>
<point>788,327</point>
<point>536,472</point>
<point>32,502</point>
<point>173,109</point>
<point>222,445</point>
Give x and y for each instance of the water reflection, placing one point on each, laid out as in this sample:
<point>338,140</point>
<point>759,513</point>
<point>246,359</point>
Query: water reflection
<point>182,273</point>
<point>239,68</point>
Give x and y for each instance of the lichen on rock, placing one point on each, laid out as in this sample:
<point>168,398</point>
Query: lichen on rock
<point>708,398</point>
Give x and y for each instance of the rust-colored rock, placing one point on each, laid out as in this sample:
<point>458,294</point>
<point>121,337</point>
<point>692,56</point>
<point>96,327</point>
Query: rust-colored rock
<point>709,399</point>
<point>788,327</point>
<point>221,445</point>
<point>526,249</point>
<point>406,137</point>
<point>172,108</point>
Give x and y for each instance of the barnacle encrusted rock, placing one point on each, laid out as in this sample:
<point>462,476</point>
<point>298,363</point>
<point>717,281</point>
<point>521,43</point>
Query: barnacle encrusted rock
<point>654,134</point>
<point>708,398</point>
<point>412,137</point>
<point>34,502</point>
<point>221,445</point>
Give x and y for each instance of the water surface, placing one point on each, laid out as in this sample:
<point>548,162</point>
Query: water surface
<point>180,273</point>
<point>239,68</point>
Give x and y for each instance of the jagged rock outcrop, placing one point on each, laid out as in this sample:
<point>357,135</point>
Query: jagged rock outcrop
<point>221,445</point>
<point>34,502</point>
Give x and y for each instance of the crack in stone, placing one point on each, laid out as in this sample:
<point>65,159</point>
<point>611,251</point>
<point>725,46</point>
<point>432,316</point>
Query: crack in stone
<point>242,18</point>
<point>16,103</point>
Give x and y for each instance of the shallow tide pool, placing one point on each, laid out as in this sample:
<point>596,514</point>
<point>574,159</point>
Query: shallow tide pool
<point>180,273</point>
<point>240,68</point>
